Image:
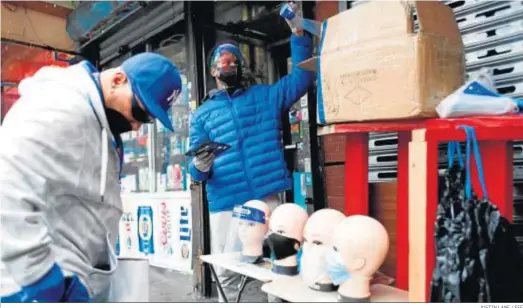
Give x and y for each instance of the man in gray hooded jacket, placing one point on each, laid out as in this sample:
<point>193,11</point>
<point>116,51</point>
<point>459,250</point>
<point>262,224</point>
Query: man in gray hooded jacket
<point>60,162</point>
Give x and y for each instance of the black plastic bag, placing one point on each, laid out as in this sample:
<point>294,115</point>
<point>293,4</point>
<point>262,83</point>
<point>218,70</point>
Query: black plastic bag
<point>449,232</point>
<point>477,256</point>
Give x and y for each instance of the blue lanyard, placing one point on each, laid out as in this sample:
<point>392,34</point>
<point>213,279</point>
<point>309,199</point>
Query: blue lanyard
<point>117,141</point>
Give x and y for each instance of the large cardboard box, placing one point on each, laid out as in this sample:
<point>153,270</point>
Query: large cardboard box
<point>373,65</point>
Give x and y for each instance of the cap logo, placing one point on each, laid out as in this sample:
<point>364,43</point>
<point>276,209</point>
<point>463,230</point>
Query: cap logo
<point>173,97</point>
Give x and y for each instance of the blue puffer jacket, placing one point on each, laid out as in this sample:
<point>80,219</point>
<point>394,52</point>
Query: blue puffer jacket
<point>250,121</point>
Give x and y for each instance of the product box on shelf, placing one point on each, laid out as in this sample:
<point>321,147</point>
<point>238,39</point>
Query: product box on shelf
<point>378,62</point>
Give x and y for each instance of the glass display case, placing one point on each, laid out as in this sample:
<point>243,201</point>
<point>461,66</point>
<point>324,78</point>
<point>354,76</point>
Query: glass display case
<point>170,164</point>
<point>137,149</point>
<point>154,157</point>
<point>136,166</point>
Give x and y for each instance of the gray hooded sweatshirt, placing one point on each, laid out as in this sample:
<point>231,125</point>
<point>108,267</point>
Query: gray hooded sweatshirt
<point>59,190</point>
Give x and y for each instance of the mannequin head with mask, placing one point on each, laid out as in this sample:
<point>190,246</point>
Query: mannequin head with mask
<point>359,247</point>
<point>227,66</point>
<point>142,89</point>
<point>317,236</point>
<point>286,235</point>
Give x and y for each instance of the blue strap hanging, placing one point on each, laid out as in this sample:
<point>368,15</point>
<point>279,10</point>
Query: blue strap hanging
<point>472,144</point>
<point>298,259</point>
<point>454,149</point>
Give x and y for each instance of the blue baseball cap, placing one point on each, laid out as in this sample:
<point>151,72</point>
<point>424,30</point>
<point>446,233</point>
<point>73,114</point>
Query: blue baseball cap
<point>156,81</point>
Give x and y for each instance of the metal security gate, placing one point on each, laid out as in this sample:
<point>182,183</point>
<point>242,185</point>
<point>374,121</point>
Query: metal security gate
<point>492,33</point>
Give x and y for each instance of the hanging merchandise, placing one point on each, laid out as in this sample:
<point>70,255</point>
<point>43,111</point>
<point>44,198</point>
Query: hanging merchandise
<point>477,256</point>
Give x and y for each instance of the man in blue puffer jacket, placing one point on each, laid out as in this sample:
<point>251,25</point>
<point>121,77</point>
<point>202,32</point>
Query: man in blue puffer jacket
<point>249,120</point>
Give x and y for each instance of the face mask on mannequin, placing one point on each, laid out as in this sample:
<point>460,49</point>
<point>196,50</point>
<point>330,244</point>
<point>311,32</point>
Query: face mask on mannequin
<point>281,246</point>
<point>117,122</point>
<point>314,260</point>
<point>335,267</point>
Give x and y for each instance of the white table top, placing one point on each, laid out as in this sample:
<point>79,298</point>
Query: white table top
<point>293,289</point>
<point>230,261</point>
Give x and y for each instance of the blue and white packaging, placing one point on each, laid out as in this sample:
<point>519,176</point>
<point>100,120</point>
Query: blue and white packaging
<point>478,97</point>
<point>145,230</point>
<point>297,22</point>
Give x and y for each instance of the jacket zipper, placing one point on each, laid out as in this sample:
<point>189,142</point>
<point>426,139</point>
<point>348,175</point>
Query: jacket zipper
<point>240,141</point>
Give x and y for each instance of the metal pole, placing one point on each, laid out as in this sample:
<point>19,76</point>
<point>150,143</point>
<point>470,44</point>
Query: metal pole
<point>151,143</point>
<point>195,13</point>
<point>318,180</point>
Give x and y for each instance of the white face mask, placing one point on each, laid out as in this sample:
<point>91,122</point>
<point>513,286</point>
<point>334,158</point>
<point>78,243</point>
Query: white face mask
<point>313,267</point>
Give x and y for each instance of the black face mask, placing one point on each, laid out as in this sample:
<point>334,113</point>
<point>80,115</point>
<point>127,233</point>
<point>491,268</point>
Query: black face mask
<point>231,77</point>
<point>281,246</point>
<point>117,122</point>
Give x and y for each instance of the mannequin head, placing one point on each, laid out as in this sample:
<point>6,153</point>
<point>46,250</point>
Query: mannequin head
<point>252,234</point>
<point>288,220</point>
<point>317,236</point>
<point>286,228</point>
<point>359,247</point>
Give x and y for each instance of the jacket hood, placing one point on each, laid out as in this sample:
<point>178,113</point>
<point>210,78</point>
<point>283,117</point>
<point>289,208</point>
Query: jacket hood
<point>77,78</point>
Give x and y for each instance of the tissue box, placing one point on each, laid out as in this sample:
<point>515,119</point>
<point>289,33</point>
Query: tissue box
<point>377,62</point>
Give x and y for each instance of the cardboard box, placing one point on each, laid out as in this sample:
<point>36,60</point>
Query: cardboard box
<point>374,66</point>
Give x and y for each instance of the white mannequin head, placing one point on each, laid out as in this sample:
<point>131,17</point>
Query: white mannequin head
<point>252,234</point>
<point>288,220</point>
<point>361,244</point>
<point>317,236</point>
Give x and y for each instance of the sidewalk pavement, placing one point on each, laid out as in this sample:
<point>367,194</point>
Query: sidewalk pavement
<point>171,286</point>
